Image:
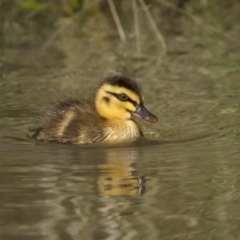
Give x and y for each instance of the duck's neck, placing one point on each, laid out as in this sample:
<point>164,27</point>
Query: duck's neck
<point>122,131</point>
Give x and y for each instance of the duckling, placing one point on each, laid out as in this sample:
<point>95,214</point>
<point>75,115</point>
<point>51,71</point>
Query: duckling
<point>107,119</point>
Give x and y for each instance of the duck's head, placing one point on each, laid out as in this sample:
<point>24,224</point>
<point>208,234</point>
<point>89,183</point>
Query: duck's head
<point>120,98</point>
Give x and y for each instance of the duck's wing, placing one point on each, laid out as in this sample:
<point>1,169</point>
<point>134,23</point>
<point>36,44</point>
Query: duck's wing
<point>66,121</point>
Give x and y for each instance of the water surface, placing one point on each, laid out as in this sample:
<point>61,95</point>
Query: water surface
<point>184,186</point>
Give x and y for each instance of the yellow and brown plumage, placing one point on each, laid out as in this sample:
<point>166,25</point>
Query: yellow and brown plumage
<point>109,118</point>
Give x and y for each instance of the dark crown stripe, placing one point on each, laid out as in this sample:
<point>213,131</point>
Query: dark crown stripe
<point>126,82</point>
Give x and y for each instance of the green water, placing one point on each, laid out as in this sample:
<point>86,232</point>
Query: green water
<point>184,188</point>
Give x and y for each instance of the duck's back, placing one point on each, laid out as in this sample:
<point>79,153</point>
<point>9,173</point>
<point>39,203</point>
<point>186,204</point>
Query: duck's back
<point>71,121</point>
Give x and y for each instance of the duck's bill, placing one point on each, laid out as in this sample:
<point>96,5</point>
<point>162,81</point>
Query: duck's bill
<point>143,113</point>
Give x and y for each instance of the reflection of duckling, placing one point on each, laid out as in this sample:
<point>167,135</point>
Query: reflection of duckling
<point>108,119</point>
<point>118,175</point>
<point>117,179</point>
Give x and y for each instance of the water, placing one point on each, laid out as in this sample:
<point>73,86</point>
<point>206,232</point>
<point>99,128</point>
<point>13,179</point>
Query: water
<point>183,185</point>
<point>183,191</point>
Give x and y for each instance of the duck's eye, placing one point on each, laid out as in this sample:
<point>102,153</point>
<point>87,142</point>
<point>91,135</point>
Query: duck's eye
<point>122,97</point>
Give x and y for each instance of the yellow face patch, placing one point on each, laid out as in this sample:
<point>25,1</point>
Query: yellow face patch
<point>110,107</point>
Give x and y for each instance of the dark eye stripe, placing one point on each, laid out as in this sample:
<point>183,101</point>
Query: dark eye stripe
<point>129,99</point>
<point>133,102</point>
